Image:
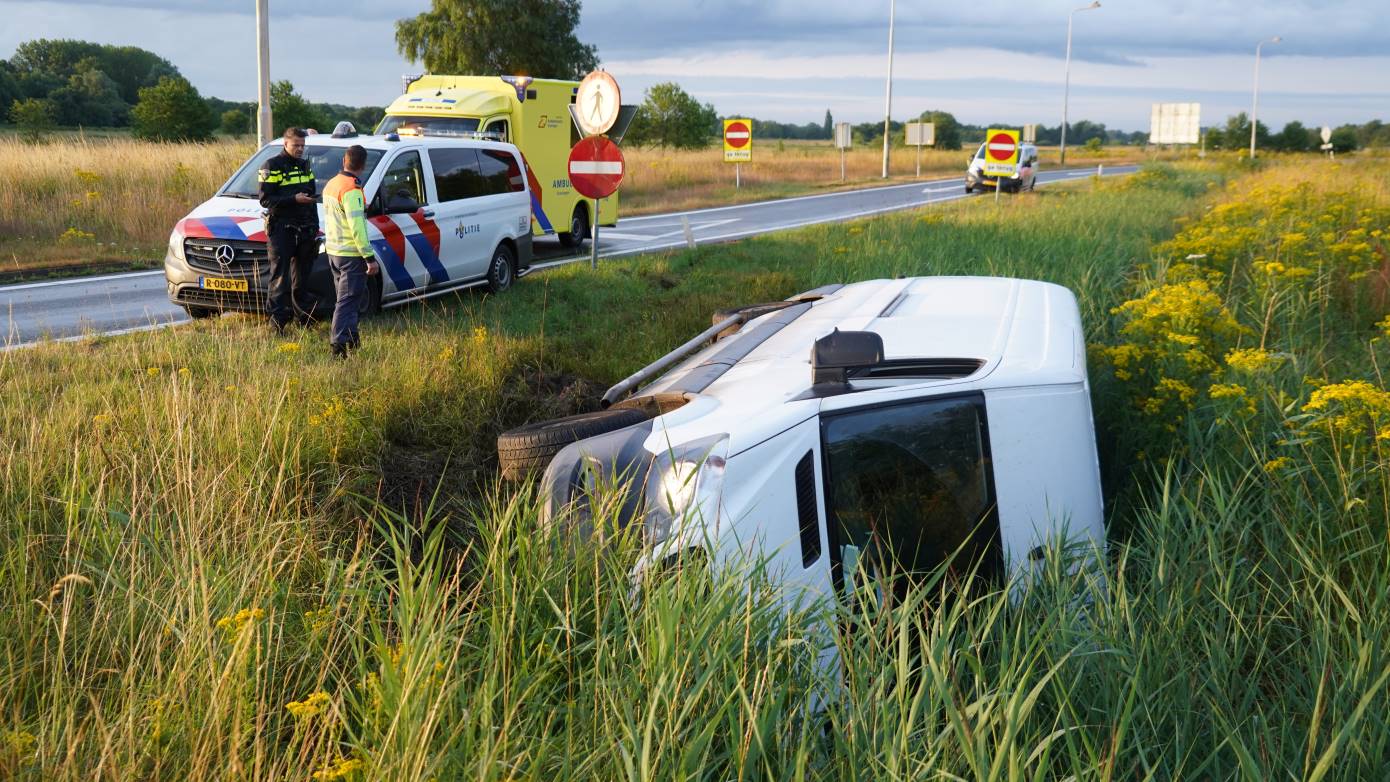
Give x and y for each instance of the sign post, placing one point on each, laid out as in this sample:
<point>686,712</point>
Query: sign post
<point>1001,156</point>
<point>921,134</point>
<point>596,168</point>
<point>738,144</point>
<point>843,139</point>
<point>1326,134</point>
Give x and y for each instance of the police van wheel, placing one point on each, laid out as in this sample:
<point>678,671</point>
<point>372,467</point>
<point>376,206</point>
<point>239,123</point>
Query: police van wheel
<point>200,313</point>
<point>579,228</point>
<point>968,188</point>
<point>502,271</point>
<point>371,303</point>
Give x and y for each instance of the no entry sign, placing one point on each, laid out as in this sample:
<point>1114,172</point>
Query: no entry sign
<point>1001,152</point>
<point>738,140</point>
<point>596,167</point>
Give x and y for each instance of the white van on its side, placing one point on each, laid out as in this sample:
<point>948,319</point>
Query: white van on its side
<point>1024,177</point>
<point>443,214</point>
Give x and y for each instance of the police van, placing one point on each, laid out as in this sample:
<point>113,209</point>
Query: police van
<point>885,428</point>
<point>531,113</point>
<point>443,214</point>
<point>1023,176</point>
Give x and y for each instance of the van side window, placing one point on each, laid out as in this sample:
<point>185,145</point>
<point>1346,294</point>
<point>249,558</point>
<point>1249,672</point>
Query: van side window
<point>909,489</point>
<point>404,179</point>
<point>499,128</point>
<point>456,174</point>
<point>501,172</point>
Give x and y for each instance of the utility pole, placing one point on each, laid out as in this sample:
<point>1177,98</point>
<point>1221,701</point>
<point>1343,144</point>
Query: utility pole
<point>1066,79</point>
<point>888,92</point>
<point>1255,99</point>
<point>264,130</point>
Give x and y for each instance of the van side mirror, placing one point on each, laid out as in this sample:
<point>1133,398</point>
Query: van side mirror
<point>833,355</point>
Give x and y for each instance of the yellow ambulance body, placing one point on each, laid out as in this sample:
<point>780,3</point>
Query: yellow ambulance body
<point>531,113</point>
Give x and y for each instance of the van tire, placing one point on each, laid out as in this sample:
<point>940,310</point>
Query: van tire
<point>201,313</point>
<point>579,228</point>
<point>751,310</point>
<point>501,272</point>
<point>968,188</point>
<point>530,448</point>
<point>371,303</point>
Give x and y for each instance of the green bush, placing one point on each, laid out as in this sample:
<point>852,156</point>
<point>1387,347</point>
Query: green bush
<point>34,117</point>
<point>172,110</point>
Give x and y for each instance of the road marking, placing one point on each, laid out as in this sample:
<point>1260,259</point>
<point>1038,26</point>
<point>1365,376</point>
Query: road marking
<point>94,334</point>
<point>77,280</point>
<point>937,189</point>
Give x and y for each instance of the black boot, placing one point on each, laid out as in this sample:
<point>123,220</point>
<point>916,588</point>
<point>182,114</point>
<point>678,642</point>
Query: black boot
<point>339,351</point>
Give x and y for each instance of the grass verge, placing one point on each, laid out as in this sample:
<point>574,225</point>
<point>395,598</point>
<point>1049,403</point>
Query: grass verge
<point>226,556</point>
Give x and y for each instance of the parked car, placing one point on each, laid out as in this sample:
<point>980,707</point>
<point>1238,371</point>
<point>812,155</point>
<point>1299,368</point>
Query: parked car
<point>887,427</point>
<point>442,214</point>
<point>1023,177</point>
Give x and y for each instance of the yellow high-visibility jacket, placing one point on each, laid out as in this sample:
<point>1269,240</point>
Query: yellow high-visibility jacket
<point>345,218</point>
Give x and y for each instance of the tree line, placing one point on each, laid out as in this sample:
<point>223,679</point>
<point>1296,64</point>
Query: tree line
<point>52,83</point>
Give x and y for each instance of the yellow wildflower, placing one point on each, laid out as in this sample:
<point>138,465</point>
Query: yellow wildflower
<point>342,768</point>
<point>1250,361</point>
<point>1351,406</point>
<point>1275,465</point>
<point>152,371</point>
<point>479,335</point>
<point>184,372</point>
<point>101,418</point>
<point>309,707</point>
<point>445,355</point>
<point>20,744</point>
<point>231,626</point>
<point>287,347</point>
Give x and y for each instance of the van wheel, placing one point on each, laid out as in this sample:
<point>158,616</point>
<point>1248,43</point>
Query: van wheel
<point>200,313</point>
<point>968,189</point>
<point>502,271</point>
<point>531,447</point>
<point>371,303</point>
<point>579,228</point>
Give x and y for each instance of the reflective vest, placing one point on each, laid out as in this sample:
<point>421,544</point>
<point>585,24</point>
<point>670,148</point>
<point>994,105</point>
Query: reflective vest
<point>345,218</point>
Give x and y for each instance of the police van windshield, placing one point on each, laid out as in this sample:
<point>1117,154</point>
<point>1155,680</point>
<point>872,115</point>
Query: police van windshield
<point>325,161</point>
<point>437,125</point>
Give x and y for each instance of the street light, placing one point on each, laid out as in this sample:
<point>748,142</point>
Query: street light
<point>888,92</point>
<point>263,129</point>
<point>1066,82</point>
<point>1255,101</point>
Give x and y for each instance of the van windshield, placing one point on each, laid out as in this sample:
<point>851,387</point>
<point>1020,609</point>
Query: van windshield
<point>442,126</point>
<point>326,162</point>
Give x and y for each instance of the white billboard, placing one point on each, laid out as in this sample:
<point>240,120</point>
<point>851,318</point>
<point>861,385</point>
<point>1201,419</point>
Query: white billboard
<point>1175,123</point>
<point>921,134</point>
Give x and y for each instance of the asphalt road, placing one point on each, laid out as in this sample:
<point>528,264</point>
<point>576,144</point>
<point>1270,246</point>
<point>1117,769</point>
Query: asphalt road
<point>73,308</point>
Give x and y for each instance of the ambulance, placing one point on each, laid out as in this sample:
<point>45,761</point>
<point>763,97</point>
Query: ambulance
<point>531,113</point>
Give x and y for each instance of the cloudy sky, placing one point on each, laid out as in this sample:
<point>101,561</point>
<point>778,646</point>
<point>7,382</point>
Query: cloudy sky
<point>790,60</point>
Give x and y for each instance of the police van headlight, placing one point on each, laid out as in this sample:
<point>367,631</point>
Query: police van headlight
<point>176,245</point>
<point>684,487</point>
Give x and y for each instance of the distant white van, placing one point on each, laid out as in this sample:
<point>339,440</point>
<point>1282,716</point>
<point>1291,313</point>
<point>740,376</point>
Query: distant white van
<point>1025,176</point>
<point>443,214</point>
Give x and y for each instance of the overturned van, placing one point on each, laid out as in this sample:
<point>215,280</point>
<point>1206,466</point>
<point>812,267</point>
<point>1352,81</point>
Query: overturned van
<point>888,426</point>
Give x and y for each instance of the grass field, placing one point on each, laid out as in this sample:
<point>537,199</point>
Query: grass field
<point>84,204</point>
<point>225,556</point>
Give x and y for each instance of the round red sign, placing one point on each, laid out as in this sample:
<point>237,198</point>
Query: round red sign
<point>1001,147</point>
<point>737,135</point>
<point>596,167</point>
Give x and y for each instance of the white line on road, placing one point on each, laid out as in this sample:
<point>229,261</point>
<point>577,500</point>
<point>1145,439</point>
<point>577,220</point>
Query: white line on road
<point>78,280</point>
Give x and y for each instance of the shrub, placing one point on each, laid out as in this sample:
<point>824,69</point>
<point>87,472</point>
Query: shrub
<point>172,110</point>
<point>34,117</point>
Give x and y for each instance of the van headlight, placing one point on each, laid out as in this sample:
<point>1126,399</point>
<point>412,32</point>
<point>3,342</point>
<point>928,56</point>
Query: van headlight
<point>684,486</point>
<point>176,245</point>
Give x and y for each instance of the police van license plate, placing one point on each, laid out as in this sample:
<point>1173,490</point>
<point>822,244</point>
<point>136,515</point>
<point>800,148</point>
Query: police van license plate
<point>222,284</point>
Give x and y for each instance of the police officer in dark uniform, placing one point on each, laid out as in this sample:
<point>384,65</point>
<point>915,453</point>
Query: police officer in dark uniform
<point>291,229</point>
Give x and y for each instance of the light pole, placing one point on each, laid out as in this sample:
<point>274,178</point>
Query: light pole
<point>1066,80</point>
<point>1255,100</point>
<point>888,92</point>
<point>263,127</point>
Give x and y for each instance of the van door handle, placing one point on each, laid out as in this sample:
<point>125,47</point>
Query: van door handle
<point>427,212</point>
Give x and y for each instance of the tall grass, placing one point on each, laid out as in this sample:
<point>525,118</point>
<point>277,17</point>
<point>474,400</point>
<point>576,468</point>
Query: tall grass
<point>271,565</point>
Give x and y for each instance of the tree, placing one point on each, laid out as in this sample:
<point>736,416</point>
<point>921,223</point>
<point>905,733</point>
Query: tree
<point>9,86</point>
<point>829,125</point>
<point>288,109</point>
<point>34,117</point>
<point>172,110</point>
<point>236,122</point>
<point>366,118</point>
<point>1237,134</point>
<point>90,98</point>
<point>130,67</point>
<point>1293,138</point>
<point>946,127</point>
<point>530,37</point>
<point>671,117</point>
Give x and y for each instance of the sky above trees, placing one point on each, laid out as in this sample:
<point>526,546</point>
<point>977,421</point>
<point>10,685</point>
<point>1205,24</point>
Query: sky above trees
<point>792,59</point>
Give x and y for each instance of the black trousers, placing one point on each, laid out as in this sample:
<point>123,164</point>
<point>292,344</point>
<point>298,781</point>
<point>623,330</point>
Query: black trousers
<point>291,251</point>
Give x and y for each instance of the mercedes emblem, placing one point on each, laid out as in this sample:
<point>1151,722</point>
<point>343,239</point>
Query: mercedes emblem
<point>225,255</point>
